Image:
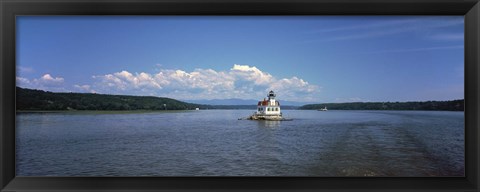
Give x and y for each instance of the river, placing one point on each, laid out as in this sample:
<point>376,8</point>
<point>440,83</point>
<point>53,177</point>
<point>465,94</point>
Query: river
<point>216,143</point>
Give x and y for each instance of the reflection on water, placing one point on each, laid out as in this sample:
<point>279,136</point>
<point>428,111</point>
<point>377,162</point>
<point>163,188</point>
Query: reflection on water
<point>268,124</point>
<point>216,143</point>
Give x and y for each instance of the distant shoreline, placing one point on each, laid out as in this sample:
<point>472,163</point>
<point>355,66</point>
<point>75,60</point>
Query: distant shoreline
<point>103,111</point>
<point>181,111</point>
<point>453,105</point>
<point>38,100</point>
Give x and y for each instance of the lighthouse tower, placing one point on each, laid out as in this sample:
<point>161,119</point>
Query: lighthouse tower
<point>271,98</point>
<point>269,107</point>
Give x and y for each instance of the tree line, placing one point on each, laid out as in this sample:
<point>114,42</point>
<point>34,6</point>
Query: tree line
<point>29,99</point>
<point>453,105</point>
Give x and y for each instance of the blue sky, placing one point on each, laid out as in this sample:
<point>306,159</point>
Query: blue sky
<point>303,58</point>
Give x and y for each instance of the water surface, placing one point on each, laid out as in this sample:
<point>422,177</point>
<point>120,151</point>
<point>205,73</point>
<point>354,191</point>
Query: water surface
<point>216,143</point>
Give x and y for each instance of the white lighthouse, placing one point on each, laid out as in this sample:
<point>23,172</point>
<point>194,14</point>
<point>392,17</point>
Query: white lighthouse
<point>268,109</point>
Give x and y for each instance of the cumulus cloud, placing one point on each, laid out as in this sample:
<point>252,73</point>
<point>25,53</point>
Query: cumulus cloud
<point>48,79</point>
<point>241,81</point>
<point>22,81</point>
<point>46,82</point>
<point>180,80</point>
<point>252,74</point>
<point>84,88</point>
<point>292,88</point>
<point>125,80</point>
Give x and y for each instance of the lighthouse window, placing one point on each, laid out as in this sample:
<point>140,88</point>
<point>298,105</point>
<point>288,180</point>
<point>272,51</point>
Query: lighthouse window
<point>268,108</point>
<point>276,108</point>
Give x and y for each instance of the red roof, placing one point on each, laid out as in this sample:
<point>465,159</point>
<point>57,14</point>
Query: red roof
<point>262,103</point>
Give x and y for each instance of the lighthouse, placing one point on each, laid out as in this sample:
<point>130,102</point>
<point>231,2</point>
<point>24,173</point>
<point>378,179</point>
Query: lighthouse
<point>268,108</point>
<point>271,98</point>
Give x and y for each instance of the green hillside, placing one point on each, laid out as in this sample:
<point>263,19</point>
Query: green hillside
<point>28,99</point>
<point>455,105</point>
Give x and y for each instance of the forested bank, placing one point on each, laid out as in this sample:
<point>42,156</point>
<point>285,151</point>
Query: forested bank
<point>29,99</point>
<point>454,105</point>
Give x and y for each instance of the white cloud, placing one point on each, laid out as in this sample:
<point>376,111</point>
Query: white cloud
<point>125,80</point>
<point>251,74</point>
<point>46,82</point>
<point>48,79</point>
<point>22,81</point>
<point>84,88</point>
<point>241,81</point>
<point>296,88</point>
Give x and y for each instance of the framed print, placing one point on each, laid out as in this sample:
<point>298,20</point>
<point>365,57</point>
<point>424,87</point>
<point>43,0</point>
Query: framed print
<point>285,95</point>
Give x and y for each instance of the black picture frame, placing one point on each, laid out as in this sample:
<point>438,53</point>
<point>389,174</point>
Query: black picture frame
<point>9,9</point>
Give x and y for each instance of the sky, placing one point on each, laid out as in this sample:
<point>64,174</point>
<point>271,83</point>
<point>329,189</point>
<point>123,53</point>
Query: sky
<point>312,59</point>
